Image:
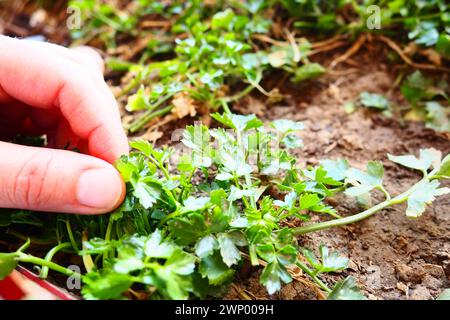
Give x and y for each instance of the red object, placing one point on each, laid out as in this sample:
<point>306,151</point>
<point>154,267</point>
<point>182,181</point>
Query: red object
<point>9,290</point>
<point>58,292</point>
<point>23,284</point>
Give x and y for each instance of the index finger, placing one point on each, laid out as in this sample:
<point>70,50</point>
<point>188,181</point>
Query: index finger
<point>45,79</point>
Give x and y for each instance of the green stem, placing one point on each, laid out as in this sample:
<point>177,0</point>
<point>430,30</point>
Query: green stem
<point>180,197</point>
<point>168,217</point>
<point>160,166</point>
<point>363,215</point>
<point>248,180</point>
<point>49,256</point>
<point>22,257</point>
<point>225,106</point>
<point>71,237</point>
<point>385,192</point>
<point>309,272</point>
<point>24,246</point>
<point>107,238</point>
<point>147,117</point>
<point>240,95</point>
<point>132,85</point>
<point>427,16</point>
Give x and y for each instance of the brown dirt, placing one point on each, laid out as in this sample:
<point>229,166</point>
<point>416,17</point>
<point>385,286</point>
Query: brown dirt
<point>392,257</point>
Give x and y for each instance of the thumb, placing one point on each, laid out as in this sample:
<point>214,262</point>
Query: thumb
<point>57,181</point>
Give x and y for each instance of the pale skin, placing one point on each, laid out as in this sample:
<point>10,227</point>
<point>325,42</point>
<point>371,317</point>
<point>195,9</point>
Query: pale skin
<point>60,92</point>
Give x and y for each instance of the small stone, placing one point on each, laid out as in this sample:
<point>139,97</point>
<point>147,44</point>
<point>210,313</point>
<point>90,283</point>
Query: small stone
<point>434,270</point>
<point>408,274</point>
<point>420,293</point>
<point>402,287</point>
<point>373,277</point>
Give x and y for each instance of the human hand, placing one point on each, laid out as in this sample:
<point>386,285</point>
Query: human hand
<point>45,88</point>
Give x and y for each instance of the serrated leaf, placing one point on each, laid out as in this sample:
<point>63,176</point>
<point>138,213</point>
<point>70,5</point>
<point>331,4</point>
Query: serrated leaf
<point>346,290</point>
<point>308,71</point>
<point>213,268</point>
<point>273,276</point>
<point>336,169</point>
<point>285,125</point>
<point>157,247</point>
<point>224,176</point>
<point>365,181</point>
<point>332,262</point>
<point>238,122</point>
<point>289,201</point>
<point>291,141</point>
<point>424,194</point>
<point>228,250</point>
<point>373,100</point>
<point>195,204</point>
<point>173,274</point>
<point>181,262</point>
<point>308,201</point>
<point>427,158</point>
<point>197,138</point>
<point>187,230</point>
<point>437,116</point>
<point>147,194</point>
<point>444,169</point>
<point>236,193</point>
<point>105,285</point>
<point>222,19</point>
<point>128,265</point>
<point>138,101</point>
<point>329,262</point>
<point>206,246</point>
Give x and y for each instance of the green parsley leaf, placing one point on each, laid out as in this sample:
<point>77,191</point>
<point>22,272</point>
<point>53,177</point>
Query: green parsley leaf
<point>374,100</point>
<point>423,195</point>
<point>346,290</point>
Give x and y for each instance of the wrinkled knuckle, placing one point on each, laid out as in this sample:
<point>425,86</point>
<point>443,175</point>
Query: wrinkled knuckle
<point>33,186</point>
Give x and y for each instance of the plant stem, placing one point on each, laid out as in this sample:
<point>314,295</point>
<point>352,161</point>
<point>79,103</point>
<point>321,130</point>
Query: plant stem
<point>71,237</point>
<point>24,246</point>
<point>51,265</point>
<point>240,95</point>
<point>107,238</point>
<point>385,192</point>
<point>225,106</point>
<point>309,272</point>
<point>150,114</point>
<point>49,256</point>
<point>168,217</point>
<point>362,215</point>
<point>87,259</point>
<point>426,16</point>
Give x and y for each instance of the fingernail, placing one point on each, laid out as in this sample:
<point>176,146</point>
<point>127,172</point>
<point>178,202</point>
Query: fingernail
<point>99,188</point>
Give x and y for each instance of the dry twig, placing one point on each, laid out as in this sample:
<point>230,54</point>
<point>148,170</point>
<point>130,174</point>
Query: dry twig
<point>391,44</point>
